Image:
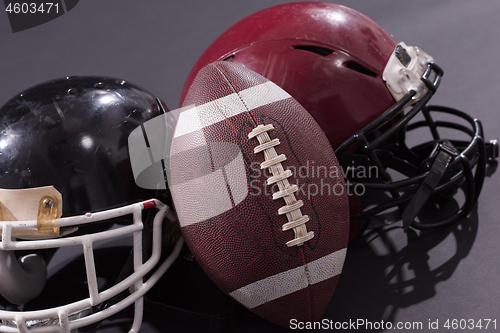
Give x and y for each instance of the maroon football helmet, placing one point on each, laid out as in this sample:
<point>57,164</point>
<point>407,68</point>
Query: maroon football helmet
<point>367,92</point>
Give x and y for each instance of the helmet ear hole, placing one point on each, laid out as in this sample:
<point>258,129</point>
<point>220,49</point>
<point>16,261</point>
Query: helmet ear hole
<point>360,68</point>
<point>323,51</point>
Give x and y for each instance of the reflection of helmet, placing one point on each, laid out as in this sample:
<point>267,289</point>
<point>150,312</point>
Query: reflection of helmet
<point>65,170</point>
<point>363,88</point>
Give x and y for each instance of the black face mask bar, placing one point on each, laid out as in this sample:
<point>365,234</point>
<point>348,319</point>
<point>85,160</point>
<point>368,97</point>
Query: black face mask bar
<point>435,167</point>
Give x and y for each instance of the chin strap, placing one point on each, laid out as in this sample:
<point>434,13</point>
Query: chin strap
<point>446,154</point>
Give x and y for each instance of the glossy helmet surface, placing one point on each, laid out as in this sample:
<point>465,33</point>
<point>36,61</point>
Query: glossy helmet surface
<point>363,88</point>
<point>66,177</point>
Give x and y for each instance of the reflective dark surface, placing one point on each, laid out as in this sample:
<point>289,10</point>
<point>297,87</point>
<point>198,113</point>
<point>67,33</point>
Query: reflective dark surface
<point>72,133</point>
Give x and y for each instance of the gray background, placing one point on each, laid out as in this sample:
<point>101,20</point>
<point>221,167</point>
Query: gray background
<point>451,274</point>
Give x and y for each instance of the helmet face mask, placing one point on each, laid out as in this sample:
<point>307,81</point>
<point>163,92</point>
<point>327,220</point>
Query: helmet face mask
<point>84,312</point>
<point>67,180</point>
<point>374,148</point>
<point>367,92</point>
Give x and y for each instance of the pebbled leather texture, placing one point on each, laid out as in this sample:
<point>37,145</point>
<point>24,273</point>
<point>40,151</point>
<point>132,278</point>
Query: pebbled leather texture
<point>226,210</point>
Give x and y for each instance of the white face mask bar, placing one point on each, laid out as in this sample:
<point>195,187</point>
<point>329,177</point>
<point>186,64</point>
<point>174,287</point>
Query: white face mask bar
<point>404,69</point>
<point>72,316</point>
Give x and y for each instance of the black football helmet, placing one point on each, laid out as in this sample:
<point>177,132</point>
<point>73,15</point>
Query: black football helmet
<point>67,181</point>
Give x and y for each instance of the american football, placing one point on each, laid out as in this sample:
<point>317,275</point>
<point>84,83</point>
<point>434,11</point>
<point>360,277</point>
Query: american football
<point>259,194</point>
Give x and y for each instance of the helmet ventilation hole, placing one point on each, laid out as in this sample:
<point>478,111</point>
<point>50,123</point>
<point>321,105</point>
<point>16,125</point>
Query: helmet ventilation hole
<point>360,68</point>
<point>316,49</point>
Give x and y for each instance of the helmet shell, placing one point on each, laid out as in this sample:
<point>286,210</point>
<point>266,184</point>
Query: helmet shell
<point>72,133</point>
<point>330,58</point>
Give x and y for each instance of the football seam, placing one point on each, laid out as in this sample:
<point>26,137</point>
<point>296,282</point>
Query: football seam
<point>247,110</point>
<point>296,220</point>
<point>238,94</point>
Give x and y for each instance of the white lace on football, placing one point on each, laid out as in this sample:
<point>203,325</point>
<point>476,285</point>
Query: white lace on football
<point>70,317</point>
<point>296,220</point>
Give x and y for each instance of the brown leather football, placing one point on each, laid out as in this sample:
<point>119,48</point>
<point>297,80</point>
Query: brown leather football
<point>259,194</point>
